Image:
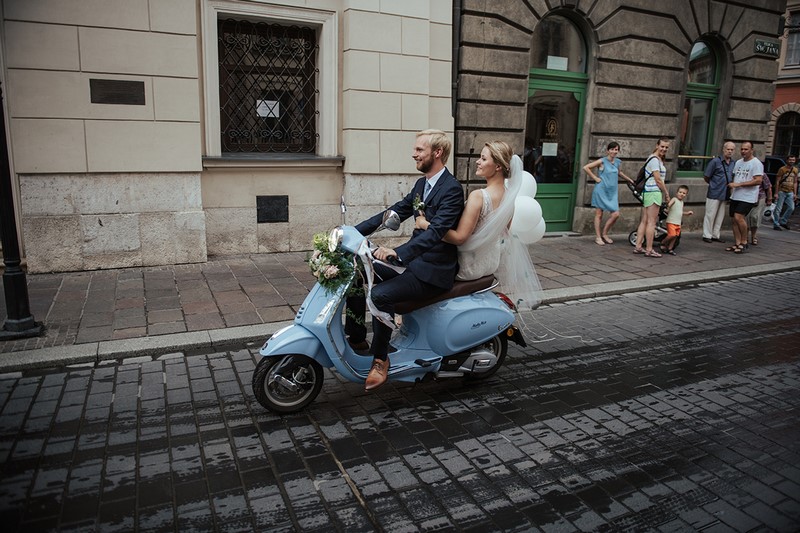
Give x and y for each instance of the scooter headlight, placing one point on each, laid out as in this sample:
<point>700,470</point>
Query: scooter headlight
<point>335,238</point>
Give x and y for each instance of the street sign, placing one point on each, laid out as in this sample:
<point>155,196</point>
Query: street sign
<point>767,48</point>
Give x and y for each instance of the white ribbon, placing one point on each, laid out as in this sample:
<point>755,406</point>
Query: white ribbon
<point>366,259</point>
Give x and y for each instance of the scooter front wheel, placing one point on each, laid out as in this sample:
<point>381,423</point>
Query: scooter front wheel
<point>498,346</point>
<point>287,384</point>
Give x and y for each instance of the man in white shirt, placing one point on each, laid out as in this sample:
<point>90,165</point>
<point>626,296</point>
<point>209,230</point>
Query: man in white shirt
<point>747,174</point>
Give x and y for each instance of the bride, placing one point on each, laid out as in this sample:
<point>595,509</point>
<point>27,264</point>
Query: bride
<point>485,244</point>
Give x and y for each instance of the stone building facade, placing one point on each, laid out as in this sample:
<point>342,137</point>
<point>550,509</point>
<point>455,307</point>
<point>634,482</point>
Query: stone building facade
<point>567,77</point>
<point>150,132</point>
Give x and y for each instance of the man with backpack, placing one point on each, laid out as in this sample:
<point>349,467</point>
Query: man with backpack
<point>717,175</point>
<point>785,193</point>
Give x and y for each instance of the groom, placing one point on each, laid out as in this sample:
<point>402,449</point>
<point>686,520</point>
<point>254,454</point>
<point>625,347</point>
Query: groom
<point>431,264</point>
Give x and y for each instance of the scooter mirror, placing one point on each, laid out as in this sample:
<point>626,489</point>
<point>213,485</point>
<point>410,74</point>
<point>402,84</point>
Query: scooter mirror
<point>391,220</point>
<point>334,238</point>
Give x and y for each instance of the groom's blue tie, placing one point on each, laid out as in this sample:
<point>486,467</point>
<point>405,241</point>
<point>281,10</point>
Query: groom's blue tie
<point>427,191</point>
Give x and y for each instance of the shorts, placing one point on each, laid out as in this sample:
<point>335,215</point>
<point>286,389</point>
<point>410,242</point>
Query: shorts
<point>740,207</point>
<point>651,198</point>
<point>673,230</point>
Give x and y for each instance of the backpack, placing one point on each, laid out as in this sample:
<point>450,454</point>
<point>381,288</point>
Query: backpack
<point>641,177</point>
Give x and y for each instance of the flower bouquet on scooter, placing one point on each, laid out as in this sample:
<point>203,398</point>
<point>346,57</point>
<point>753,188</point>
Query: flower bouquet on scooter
<point>331,268</point>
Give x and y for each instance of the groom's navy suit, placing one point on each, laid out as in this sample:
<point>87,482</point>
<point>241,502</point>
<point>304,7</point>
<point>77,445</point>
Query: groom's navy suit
<point>431,264</point>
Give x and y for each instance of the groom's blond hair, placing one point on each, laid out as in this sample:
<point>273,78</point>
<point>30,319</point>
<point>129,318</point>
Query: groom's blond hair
<point>438,141</point>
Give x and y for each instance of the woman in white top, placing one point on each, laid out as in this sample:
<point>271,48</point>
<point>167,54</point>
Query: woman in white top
<point>652,198</point>
<point>485,244</point>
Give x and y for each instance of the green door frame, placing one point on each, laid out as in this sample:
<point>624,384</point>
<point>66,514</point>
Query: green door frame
<point>558,199</point>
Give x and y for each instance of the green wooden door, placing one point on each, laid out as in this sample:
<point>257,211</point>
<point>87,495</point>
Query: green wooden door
<point>553,142</point>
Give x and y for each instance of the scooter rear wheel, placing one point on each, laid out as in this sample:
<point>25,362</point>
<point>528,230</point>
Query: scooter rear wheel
<point>287,384</point>
<point>499,347</point>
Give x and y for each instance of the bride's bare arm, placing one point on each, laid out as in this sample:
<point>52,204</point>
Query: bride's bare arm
<point>467,223</point>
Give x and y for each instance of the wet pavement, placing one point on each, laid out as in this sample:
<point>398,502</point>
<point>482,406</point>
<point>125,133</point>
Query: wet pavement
<point>661,410</point>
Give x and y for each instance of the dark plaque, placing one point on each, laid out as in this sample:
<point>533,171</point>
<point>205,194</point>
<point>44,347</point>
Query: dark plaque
<point>121,92</point>
<point>272,209</point>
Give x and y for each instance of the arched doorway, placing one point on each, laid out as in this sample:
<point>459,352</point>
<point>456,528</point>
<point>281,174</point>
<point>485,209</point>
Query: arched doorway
<point>556,99</point>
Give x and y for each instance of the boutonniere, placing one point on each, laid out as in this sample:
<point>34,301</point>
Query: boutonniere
<point>418,204</point>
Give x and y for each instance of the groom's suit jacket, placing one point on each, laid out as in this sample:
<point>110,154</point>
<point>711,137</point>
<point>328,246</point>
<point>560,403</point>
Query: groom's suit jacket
<point>428,257</point>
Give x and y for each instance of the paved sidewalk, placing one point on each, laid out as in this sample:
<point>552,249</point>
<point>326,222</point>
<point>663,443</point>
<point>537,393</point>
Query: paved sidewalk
<point>110,314</point>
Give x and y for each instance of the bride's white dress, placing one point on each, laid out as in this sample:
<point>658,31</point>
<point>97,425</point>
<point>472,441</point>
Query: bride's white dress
<point>492,249</point>
<point>478,263</point>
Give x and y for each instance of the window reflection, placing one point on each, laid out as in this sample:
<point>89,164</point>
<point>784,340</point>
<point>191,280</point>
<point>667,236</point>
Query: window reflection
<point>793,40</point>
<point>552,129</point>
<point>694,135</point>
<point>702,64</point>
<point>699,109</point>
<point>558,45</point>
<point>787,134</point>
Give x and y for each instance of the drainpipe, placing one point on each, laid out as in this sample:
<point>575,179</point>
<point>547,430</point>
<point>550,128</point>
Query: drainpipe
<point>455,62</point>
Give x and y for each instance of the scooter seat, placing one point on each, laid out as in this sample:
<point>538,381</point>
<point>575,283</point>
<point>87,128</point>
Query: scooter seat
<point>460,288</point>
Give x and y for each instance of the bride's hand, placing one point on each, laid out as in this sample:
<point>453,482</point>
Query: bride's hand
<point>420,222</point>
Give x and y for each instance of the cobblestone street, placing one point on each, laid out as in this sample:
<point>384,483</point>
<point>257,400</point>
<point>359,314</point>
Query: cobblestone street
<point>666,410</point>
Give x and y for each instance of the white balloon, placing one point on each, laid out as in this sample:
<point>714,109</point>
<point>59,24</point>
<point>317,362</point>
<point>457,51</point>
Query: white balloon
<point>524,214</point>
<point>527,217</point>
<point>532,235</point>
<point>536,234</point>
<point>527,224</point>
<point>528,187</point>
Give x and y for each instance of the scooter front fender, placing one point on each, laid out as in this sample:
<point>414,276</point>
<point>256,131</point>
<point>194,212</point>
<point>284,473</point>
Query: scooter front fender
<point>296,339</point>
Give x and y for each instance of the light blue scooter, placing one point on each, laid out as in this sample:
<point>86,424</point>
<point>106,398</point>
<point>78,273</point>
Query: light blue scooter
<point>461,334</point>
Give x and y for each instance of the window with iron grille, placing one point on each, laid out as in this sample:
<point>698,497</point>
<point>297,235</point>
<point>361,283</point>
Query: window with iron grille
<point>267,87</point>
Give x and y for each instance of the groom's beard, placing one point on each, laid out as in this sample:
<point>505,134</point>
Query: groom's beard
<point>424,165</point>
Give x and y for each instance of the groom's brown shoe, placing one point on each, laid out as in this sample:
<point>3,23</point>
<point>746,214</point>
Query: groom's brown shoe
<point>377,374</point>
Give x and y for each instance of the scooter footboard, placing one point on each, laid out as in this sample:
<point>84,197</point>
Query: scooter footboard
<point>296,339</point>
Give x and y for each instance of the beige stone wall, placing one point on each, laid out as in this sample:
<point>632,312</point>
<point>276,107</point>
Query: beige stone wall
<point>110,185</point>
<point>229,198</point>
<point>392,80</point>
<point>52,50</point>
<point>105,185</point>
<point>396,81</point>
<point>91,221</point>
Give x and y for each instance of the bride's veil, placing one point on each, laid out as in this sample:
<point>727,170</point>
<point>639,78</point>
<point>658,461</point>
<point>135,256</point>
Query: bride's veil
<point>516,274</point>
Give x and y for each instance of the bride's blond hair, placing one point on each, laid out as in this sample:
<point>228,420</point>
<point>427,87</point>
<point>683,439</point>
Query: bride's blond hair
<point>501,154</point>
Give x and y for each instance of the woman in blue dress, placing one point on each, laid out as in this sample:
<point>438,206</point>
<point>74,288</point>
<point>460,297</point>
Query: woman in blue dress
<point>604,196</point>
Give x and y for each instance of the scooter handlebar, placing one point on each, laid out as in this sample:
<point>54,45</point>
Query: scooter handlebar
<point>394,261</point>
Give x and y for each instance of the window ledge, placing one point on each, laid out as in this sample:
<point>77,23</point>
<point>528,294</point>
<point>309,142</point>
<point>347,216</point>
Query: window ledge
<point>272,161</point>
